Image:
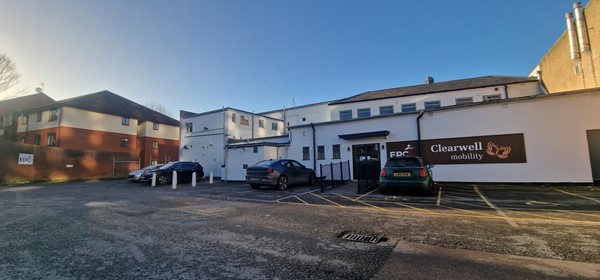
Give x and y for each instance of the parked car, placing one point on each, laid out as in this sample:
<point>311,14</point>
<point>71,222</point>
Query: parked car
<point>136,176</point>
<point>280,173</point>
<point>184,169</point>
<point>406,173</point>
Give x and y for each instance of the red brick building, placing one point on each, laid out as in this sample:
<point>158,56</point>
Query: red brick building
<point>101,121</point>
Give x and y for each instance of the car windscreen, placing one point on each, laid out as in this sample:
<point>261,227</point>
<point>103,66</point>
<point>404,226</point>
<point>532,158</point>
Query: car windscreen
<point>264,163</point>
<point>168,165</point>
<point>403,162</point>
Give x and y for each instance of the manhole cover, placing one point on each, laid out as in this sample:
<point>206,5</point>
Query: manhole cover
<point>362,238</point>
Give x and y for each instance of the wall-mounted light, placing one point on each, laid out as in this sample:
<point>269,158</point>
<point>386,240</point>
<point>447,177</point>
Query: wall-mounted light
<point>383,147</point>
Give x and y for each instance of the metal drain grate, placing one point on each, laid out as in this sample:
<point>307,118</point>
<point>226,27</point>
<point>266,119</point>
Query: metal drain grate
<point>362,238</point>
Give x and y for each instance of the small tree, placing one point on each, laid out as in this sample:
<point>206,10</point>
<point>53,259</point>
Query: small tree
<point>159,108</point>
<point>8,73</point>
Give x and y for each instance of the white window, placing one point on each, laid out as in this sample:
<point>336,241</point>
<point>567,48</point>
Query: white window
<point>155,126</point>
<point>432,104</point>
<point>409,107</point>
<point>261,123</point>
<point>464,100</point>
<point>274,126</point>
<point>244,120</point>
<point>346,115</point>
<point>386,110</point>
<point>189,127</point>
<point>364,112</point>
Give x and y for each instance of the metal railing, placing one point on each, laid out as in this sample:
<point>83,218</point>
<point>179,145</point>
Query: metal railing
<point>334,173</point>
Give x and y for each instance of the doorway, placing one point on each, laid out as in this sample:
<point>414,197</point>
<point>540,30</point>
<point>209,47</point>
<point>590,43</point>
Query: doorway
<point>367,164</point>
<point>593,137</point>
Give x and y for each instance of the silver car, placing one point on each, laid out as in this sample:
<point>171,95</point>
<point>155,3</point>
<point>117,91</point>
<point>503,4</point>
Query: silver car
<point>135,176</point>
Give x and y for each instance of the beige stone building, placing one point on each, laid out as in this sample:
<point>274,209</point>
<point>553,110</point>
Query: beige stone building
<point>573,63</point>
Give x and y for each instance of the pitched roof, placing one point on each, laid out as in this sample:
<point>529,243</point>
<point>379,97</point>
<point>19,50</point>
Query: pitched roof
<point>110,103</point>
<point>487,81</point>
<point>25,102</point>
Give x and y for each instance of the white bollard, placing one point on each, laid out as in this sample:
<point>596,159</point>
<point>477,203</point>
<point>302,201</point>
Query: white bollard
<point>210,179</point>
<point>174,181</point>
<point>154,179</point>
<point>194,179</point>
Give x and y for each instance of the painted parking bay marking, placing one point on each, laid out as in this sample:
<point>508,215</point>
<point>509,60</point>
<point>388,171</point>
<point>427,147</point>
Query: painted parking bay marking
<point>581,196</point>
<point>508,220</point>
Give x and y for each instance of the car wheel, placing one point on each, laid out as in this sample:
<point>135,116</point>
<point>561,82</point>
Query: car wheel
<point>162,179</point>
<point>312,179</point>
<point>255,186</point>
<point>282,183</point>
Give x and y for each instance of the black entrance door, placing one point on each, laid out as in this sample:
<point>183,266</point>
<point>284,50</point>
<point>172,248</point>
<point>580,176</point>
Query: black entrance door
<point>593,137</point>
<point>367,164</point>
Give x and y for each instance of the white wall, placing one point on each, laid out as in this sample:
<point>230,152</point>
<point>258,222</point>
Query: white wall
<point>238,157</point>
<point>554,129</point>
<point>445,98</point>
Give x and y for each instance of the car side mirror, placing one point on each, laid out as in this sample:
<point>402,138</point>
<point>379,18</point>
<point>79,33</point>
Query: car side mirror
<point>430,166</point>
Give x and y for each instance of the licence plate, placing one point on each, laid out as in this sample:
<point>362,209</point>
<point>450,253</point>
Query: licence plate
<point>402,174</point>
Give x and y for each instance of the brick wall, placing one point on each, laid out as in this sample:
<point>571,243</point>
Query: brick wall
<point>51,163</point>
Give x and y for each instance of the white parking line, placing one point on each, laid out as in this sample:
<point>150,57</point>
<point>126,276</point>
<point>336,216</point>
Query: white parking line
<point>490,204</point>
<point>296,195</point>
<point>581,196</point>
<point>439,198</point>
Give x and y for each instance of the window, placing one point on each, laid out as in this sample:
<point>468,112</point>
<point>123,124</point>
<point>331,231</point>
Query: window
<point>274,126</point>
<point>492,97</point>
<point>155,126</point>
<point>37,139</point>
<point>346,115</point>
<point>305,153</point>
<point>51,139</point>
<point>233,117</point>
<point>124,142</point>
<point>336,151</point>
<point>154,144</point>
<point>320,152</point>
<point>464,100</point>
<point>53,115</point>
<point>409,107</point>
<point>261,123</point>
<point>125,121</point>
<point>244,120</point>
<point>364,112</point>
<point>432,104</point>
<point>386,110</point>
<point>255,150</point>
<point>39,116</point>
<point>24,119</point>
<point>189,127</point>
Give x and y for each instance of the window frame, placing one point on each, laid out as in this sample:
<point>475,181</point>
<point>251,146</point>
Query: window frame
<point>39,116</point>
<point>52,141</point>
<point>363,113</point>
<point>125,121</point>
<point>345,115</point>
<point>37,139</point>
<point>320,152</point>
<point>261,123</point>
<point>53,115</point>
<point>433,104</point>
<point>492,97</point>
<point>244,120</point>
<point>305,153</point>
<point>154,145</point>
<point>155,126</point>
<point>189,127</point>
<point>386,110</point>
<point>124,143</point>
<point>274,126</point>
<point>464,100</point>
<point>336,151</point>
<point>409,107</point>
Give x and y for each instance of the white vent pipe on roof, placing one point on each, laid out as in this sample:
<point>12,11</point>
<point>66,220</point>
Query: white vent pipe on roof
<point>572,36</point>
<point>582,32</point>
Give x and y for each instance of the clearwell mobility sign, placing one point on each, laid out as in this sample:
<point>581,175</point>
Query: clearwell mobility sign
<point>505,148</point>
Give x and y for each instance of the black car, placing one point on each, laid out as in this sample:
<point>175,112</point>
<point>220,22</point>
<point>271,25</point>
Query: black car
<point>184,170</point>
<point>280,173</point>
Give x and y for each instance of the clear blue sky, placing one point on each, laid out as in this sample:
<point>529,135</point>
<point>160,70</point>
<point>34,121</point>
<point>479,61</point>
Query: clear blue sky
<point>260,55</point>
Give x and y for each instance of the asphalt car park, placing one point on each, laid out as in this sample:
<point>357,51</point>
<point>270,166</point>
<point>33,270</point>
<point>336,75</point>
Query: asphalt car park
<point>513,203</point>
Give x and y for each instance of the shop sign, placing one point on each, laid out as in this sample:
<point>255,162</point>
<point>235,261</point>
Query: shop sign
<point>505,148</point>
<point>402,149</point>
<point>25,159</point>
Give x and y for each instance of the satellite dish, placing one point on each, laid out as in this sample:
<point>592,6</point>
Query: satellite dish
<point>39,90</point>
